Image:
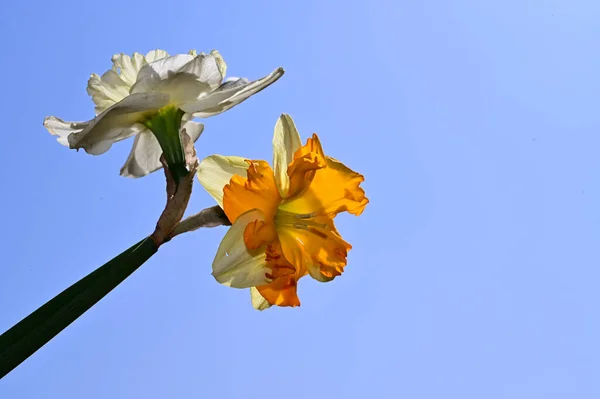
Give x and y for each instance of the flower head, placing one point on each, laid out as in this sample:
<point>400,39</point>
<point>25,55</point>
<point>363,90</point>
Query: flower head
<point>282,217</point>
<point>137,87</point>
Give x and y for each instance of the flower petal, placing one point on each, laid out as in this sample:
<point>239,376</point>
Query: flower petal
<point>332,189</point>
<point>153,73</point>
<point>234,265</point>
<point>258,301</point>
<point>215,172</point>
<point>155,55</point>
<point>317,248</point>
<point>61,129</point>
<point>206,69</point>
<point>183,77</point>
<point>281,291</point>
<point>220,62</point>
<point>118,122</point>
<point>301,171</point>
<point>230,94</point>
<point>128,66</point>
<point>106,90</point>
<point>257,191</point>
<point>144,157</point>
<point>286,141</point>
<point>193,129</point>
<point>114,85</point>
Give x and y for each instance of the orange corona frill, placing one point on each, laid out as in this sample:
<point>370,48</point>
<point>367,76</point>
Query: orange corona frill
<point>282,217</point>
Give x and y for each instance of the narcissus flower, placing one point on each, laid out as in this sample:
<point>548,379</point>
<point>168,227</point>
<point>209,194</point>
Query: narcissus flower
<point>137,87</point>
<point>282,217</point>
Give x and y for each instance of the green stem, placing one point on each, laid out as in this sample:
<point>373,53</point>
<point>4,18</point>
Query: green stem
<point>34,331</point>
<point>166,125</point>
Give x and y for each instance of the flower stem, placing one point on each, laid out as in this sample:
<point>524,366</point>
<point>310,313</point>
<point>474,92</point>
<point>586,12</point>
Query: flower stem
<point>35,330</point>
<point>209,217</point>
<point>166,125</point>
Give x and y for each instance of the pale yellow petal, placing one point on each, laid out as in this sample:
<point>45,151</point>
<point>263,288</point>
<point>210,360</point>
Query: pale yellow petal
<point>258,301</point>
<point>234,265</point>
<point>286,141</point>
<point>220,62</point>
<point>215,171</point>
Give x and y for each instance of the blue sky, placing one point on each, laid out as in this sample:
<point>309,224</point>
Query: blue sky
<point>474,272</point>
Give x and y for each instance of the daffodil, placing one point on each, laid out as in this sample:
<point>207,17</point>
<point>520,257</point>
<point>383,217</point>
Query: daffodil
<point>138,87</point>
<point>282,217</point>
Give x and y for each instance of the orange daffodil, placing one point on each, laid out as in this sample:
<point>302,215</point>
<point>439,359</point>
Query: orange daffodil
<point>282,217</point>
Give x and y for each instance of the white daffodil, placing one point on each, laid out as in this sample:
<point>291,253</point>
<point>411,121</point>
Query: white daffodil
<point>282,217</point>
<point>137,87</point>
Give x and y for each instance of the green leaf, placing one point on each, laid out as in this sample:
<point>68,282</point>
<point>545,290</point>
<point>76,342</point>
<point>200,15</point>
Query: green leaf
<point>34,331</point>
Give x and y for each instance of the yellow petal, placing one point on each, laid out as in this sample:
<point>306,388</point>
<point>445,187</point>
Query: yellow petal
<point>316,248</point>
<point>256,191</point>
<point>281,291</point>
<point>215,172</point>
<point>259,233</point>
<point>307,160</point>
<point>325,190</point>
<point>234,265</point>
<point>286,141</point>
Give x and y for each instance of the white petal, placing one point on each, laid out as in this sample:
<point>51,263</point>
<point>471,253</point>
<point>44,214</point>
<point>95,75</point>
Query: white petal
<point>155,55</point>
<point>228,95</point>
<point>127,67</point>
<point>116,123</point>
<point>234,265</point>
<point>195,79</point>
<point>183,77</point>
<point>220,62</point>
<point>151,75</point>
<point>206,69</point>
<point>215,171</point>
<point>115,84</point>
<point>258,301</point>
<point>286,141</point>
<point>107,90</point>
<point>193,129</point>
<point>144,157</point>
<point>61,129</point>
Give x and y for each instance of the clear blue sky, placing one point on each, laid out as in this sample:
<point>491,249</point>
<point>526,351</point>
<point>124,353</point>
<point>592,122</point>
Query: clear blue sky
<point>475,267</point>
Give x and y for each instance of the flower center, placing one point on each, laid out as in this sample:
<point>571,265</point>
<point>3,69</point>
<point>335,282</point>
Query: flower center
<point>303,221</point>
